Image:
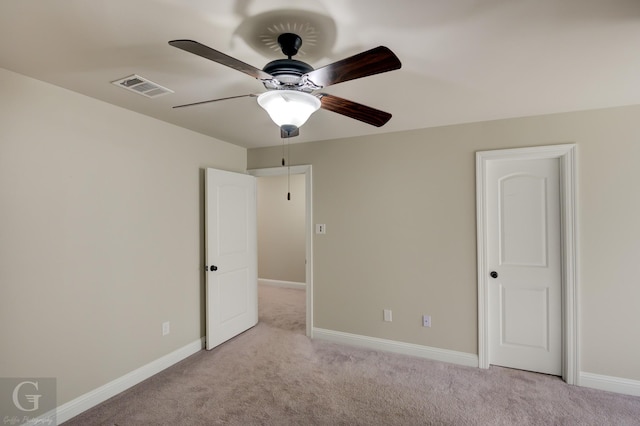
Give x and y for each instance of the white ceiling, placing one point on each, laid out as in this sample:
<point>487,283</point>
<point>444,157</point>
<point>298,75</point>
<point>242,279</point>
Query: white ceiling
<point>462,60</point>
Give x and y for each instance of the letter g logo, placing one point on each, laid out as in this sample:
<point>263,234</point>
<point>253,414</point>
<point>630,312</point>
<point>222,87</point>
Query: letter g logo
<point>33,399</point>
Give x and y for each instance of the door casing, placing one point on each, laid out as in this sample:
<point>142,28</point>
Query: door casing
<point>566,154</point>
<point>305,170</point>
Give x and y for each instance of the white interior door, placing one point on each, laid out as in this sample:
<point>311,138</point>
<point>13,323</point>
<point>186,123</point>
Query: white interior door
<point>525,265</point>
<point>231,253</point>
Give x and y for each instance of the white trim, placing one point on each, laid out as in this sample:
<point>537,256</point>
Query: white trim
<point>569,221</point>
<point>568,192</point>
<point>92,398</point>
<point>306,170</point>
<point>610,383</point>
<point>436,354</point>
<point>280,283</point>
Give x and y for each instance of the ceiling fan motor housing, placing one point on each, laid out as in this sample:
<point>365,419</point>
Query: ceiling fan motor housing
<point>288,74</point>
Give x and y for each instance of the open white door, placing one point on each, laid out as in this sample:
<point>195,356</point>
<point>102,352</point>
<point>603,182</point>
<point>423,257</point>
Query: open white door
<point>231,253</point>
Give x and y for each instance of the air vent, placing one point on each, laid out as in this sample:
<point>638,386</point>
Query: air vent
<point>142,86</point>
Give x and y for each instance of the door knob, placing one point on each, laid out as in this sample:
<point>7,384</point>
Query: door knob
<point>213,268</point>
<point>493,274</point>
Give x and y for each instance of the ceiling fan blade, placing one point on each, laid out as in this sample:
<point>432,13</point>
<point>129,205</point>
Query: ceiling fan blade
<point>374,61</point>
<point>251,95</point>
<point>219,57</point>
<point>351,109</point>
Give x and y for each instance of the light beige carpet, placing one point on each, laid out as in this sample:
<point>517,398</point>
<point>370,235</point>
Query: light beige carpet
<point>274,375</point>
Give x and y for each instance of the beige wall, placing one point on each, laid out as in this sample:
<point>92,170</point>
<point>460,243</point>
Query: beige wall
<point>101,223</point>
<point>100,235</point>
<point>400,215</point>
<point>281,236</point>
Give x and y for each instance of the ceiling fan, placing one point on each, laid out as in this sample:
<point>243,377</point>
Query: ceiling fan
<point>290,83</point>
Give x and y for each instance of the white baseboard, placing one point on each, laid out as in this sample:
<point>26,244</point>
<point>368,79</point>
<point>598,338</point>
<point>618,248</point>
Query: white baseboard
<point>90,399</point>
<point>609,383</point>
<point>445,355</point>
<point>280,283</point>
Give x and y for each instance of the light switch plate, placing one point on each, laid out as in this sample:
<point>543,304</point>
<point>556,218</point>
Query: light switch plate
<point>387,315</point>
<point>426,320</point>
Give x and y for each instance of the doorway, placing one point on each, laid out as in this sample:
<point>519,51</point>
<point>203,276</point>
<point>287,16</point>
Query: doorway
<point>305,171</point>
<point>488,324</point>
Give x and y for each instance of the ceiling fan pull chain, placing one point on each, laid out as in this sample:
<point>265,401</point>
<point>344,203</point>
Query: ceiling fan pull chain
<point>288,174</point>
<point>283,162</point>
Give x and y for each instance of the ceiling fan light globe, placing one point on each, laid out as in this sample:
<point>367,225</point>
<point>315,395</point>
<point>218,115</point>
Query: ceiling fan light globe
<point>289,107</point>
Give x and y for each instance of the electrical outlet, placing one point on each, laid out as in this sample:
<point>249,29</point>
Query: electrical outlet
<point>166,328</point>
<point>321,228</point>
<point>426,320</point>
<point>387,315</point>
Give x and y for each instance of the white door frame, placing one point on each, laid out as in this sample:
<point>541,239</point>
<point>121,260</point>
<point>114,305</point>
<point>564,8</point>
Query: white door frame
<point>306,171</point>
<point>566,154</point>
